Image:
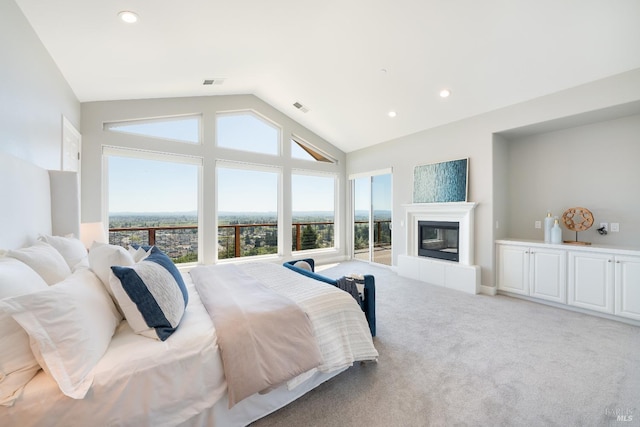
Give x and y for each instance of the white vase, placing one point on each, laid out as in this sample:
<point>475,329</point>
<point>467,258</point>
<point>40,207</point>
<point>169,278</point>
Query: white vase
<point>556,233</point>
<point>548,224</point>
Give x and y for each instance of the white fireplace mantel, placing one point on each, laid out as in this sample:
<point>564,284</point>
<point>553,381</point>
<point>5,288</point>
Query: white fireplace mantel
<point>461,212</point>
<point>461,275</point>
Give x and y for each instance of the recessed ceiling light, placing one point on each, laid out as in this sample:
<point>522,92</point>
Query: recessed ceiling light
<point>392,114</point>
<point>444,93</point>
<point>128,16</point>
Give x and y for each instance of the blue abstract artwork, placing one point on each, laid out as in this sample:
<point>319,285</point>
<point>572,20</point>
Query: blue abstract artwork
<point>441,182</point>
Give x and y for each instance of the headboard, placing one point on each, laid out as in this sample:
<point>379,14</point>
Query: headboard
<point>35,201</point>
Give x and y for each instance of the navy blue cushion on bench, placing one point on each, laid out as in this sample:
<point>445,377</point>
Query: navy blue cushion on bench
<point>368,305</point>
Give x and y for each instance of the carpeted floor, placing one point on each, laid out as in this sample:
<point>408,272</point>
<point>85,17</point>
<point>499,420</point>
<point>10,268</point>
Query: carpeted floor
<point>452,359</point>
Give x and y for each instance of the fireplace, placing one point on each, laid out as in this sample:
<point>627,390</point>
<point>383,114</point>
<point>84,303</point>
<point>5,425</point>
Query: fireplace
<point>462,275</point>
<point>460,212</point>
<point>439,239</point>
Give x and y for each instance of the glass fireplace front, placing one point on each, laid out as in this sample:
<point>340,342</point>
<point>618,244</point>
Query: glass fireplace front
<point>438,239</point>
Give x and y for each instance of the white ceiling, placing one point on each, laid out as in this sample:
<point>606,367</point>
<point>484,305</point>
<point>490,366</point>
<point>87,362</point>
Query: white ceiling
<point>328,55</point>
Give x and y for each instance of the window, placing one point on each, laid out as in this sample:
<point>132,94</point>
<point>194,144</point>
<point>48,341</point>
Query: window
<point>154,201</point>
<point>313,216</point>
<point>372,216</point>
<point>247,211</point>
<point>304,151</point>
<point>178,128</point>
<point>248,132</point>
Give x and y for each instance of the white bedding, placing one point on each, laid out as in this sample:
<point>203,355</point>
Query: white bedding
<point>339,324</point>
<point>139,381</point>
<point>145,382</point>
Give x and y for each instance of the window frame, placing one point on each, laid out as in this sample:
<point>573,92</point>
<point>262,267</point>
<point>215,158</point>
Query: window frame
<point>336,219</point>
<point>251,167</point>
<point>197,161</point>
<point>109,127</point>
<point>258,116</point>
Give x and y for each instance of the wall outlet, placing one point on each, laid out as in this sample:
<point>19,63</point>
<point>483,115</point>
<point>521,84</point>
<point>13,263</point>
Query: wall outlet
<point>538,224</point>
<point>605,226</point>
<point>615,227</point>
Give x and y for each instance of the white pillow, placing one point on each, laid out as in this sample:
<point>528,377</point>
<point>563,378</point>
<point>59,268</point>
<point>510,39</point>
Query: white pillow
<point>139,254</point>
<point>70,326</point>
<point>303,265</point>
<point>45,260</point>
<point>17,364</point>
<point>102,256</point>
<point>71,249</point>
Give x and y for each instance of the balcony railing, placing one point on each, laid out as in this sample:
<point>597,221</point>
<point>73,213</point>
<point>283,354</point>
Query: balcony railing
<point>180,242</point>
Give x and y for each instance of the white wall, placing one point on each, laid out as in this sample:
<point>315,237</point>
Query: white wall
<point>474,138</point>
<point>94,114</point>
<point>33,93</point>
<point>593,166</point>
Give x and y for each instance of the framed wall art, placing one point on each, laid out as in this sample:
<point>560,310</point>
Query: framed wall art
<point>442,182</point>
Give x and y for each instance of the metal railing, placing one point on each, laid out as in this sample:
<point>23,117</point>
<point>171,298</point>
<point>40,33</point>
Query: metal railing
<point>181,240</point>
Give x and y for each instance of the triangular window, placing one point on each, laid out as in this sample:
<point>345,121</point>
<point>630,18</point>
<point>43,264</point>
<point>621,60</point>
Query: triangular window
<point>301,150</point>
<point>181,128</point>
<point>247,131</point>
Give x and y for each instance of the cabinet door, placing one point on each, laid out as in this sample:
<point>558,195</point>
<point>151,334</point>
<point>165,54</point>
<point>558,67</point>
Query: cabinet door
<point>628,286</point>
<point>513,269</point>
<point>548,274</point>
<point>591,281</point>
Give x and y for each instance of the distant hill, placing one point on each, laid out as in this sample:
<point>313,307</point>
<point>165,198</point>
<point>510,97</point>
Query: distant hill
<point>359,214</point>
<point>378,214</point>
<point>161,214</point>
<point>222,213</point>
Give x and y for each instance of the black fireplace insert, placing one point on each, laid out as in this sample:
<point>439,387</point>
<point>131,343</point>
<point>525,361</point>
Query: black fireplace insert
<point>438,239</point>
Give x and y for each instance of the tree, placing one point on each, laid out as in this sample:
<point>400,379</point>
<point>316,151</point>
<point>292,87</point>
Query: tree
<point>309,238</point>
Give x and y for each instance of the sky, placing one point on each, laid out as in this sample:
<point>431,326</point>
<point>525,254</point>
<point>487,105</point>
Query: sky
<point>376,189</point>
<point>140,185</point>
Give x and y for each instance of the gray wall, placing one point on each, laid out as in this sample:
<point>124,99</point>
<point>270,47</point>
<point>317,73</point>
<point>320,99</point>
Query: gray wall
<point>476,138</point>
<point>593,166</point>
<point>33,93</point>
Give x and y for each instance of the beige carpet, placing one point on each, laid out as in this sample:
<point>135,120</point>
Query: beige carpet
<point>452,359</point>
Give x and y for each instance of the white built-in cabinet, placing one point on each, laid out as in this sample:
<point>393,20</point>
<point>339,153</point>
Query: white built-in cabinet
<point>627,286</point>
<point>537,272</point>
<point>591,278</point>
<point>605,280</point>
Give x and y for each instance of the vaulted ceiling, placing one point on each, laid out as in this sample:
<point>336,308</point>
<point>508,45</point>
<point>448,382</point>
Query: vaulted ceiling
<point>349,62</point>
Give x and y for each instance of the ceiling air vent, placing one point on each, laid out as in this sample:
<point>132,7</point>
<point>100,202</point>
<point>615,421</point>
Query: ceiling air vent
<point>301,107</point>
<point>208,82</point>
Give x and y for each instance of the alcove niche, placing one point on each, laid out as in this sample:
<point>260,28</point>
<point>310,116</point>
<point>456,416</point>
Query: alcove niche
<point>589,160</point>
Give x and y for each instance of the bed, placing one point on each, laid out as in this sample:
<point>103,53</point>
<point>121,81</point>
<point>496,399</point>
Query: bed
<point>140,381</point>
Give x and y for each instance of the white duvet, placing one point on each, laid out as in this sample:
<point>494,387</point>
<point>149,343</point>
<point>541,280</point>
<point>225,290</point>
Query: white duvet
<point>144,382</point>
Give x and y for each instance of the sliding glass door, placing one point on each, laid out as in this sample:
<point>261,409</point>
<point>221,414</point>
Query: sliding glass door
<point>372,218</point>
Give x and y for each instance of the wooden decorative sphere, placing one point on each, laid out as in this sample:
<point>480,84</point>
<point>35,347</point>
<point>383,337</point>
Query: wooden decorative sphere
<point>577,219</point>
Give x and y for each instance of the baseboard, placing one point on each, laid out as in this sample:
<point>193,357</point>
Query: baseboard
<point>488,290</point>
<point>572,308</point>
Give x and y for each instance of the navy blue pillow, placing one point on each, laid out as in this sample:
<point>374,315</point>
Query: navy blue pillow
<point>152,295</point>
